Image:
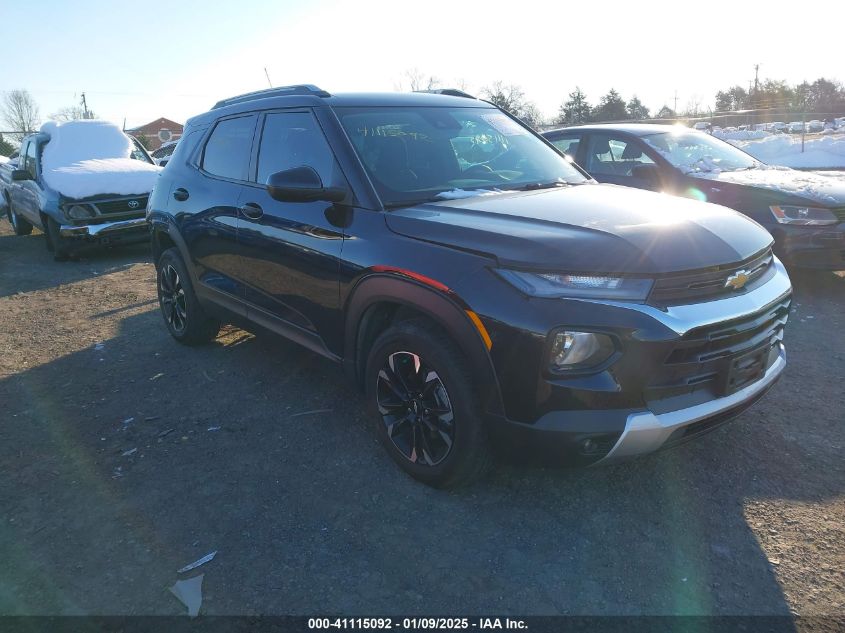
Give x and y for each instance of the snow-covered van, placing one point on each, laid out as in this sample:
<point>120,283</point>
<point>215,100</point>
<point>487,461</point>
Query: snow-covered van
<point>81,182</point>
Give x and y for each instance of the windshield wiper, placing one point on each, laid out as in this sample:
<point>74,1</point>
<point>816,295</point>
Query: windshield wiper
<point>531,186</point>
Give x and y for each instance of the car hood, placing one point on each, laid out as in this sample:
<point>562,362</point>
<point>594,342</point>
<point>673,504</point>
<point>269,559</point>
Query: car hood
<point>809,187</point>
<point>587,228</point>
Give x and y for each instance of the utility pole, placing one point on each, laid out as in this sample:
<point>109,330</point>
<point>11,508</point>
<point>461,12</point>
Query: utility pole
<point>85,113</point>
<point>676,102</point>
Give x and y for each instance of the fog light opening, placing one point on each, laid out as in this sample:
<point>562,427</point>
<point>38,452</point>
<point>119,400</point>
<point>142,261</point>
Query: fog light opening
<point>578,350</point>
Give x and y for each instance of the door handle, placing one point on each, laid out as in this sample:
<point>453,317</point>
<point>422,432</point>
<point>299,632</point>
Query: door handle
<point>181,194</point>
<point>252,211</point>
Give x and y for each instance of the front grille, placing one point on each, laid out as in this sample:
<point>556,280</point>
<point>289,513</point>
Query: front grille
<point>122,205</point>
<point>724,357</point>
<point>707,284</point>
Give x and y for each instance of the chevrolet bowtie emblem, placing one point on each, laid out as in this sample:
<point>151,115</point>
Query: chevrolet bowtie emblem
<point>737,280</point>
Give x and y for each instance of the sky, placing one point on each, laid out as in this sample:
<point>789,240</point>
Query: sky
<point>143,60</point>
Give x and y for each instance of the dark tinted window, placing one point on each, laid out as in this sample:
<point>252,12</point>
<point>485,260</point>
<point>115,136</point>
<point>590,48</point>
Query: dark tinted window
<point>228,148</point>
<point>294,139</point>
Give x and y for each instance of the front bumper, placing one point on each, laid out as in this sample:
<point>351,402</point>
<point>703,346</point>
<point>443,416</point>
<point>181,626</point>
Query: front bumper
<point>821,248</point>
<point>646,432</point>
<point>135,229</point>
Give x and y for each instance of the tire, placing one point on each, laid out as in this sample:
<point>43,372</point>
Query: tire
<point>60,246</point>
<point>19,225</point>
<point>183,315</point>
<point>424,401</point>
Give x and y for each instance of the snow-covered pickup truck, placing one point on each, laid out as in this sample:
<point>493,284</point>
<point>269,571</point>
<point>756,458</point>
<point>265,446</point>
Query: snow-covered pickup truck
<point>82,183</point>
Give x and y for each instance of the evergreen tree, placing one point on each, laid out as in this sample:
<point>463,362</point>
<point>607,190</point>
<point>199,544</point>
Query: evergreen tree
<point>735,98</point>
<point>665,113</point>
<point>575,110</point>
<point>636,110</point>
<point>610,108</point>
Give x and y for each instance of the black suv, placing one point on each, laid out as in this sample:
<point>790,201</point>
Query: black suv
<point>472,281</point>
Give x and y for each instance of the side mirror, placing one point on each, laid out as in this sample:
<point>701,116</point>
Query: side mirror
<point>649,173</point>
<point>21,174</point>
<point>301,184</point>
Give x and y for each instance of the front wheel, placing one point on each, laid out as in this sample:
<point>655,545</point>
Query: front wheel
<point>61,247</point>
<point>19,225</point>
<point>184,316</point>
<point>425,404</point>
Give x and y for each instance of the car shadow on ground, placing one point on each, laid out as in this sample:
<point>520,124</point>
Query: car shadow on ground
<point>125,462</point>
<point>23,260</point>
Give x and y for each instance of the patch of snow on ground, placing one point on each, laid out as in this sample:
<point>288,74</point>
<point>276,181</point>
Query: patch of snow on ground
<point>90,158</point>
<point>4,159</point>
<point>826,151</point>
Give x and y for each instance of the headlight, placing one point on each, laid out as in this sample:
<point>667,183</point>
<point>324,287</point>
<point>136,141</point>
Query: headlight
<point>571,351</point>
<point>555,285</point>
<point>80,212</point>
<point>811,216</point>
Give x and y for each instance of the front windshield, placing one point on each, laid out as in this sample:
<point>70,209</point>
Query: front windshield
<point>693,152</point>
<point>414,154</point>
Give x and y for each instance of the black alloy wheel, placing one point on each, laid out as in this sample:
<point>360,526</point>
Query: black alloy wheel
<point>172,297</point>
<point>426,411</point>
<point>416,409</point>
<point>186,319</point>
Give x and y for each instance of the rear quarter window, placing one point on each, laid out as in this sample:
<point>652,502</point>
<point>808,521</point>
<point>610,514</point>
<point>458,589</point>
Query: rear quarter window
<point>228,149</point>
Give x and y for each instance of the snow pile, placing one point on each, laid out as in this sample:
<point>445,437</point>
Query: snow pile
<point>782,149</point>
<point>91,158</point>
<point>4,159</point>
<point>741,135</point>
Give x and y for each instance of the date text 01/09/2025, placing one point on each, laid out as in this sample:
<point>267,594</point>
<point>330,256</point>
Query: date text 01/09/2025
<point>416,623</point>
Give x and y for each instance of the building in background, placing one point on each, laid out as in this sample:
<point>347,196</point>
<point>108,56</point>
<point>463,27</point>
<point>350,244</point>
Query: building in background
<point>154,134</point>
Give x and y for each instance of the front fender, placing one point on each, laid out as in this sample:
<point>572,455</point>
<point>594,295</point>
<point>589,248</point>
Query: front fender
<point>444,308</point>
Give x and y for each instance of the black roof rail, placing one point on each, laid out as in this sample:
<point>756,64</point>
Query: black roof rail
<point>281,91</point>
<point>452,92</point>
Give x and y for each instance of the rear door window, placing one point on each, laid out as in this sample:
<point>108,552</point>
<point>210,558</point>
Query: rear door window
<point>228,149</point>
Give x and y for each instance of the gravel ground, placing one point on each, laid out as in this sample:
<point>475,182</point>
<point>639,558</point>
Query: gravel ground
<point>126,456</point>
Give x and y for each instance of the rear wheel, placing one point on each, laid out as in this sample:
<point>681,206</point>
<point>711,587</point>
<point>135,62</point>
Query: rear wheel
<point>423,397</point>
<point>19,225</point>
<point>184,316</point>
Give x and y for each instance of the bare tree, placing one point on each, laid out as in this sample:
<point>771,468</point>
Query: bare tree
<point>693,108</point>
<point>72,113</point>
<point>417,80</point>
<point>511,98</point>
<point>20,113</point>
